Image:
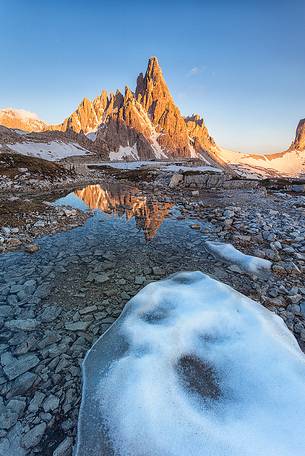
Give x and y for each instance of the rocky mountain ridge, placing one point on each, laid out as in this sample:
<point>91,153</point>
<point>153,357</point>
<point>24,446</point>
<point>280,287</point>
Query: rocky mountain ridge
<point>142,124</point>
<point>21,119</point>
<point>139,125</point>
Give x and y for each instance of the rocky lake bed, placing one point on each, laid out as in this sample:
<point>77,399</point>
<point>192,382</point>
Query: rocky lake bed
<point>72,259</point>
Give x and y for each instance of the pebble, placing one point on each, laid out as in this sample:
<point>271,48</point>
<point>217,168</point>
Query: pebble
<point>32,248</point>
<point>139,280</point>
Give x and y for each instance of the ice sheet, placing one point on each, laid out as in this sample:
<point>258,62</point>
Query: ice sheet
<point>247,263</point>
<point>193,368</point>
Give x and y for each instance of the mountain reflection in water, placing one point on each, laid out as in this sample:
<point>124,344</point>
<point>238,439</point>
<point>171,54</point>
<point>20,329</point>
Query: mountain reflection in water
<point>123,200</point>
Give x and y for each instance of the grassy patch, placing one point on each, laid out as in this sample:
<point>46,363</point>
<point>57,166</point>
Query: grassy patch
<point>10,165</point>
<point>15,213</point>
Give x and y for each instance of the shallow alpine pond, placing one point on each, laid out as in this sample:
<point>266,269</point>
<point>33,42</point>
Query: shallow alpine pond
<point>56,302</point>
<point>130,240</point>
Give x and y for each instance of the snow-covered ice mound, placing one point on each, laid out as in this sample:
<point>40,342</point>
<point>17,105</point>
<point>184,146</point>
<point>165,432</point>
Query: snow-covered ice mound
<point>247,263</point>
<point>193,368</point>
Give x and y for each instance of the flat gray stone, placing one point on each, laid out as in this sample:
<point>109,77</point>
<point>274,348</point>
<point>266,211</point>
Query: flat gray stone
<point>43,290</point>
<point>64,448</point>
<point>7,418</point>
<point>51,403</point>
<point>4,447</point>
<point>22,384</point>
<point>87,310</point>
<point>33,437</point>
<point>139,280</point>
<point>49,314</point>
<point>7,358</point>
<point>48,340</point>
<point>36,401</point>
<point>24,325</point>
<point>17,406</point>
<point>6,311</point>
<point>101,278</point>
<point>16,288</point>
<point>77,326</point>
<point>19,366</point>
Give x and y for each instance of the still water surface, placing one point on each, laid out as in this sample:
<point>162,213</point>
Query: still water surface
<point>129,235</point>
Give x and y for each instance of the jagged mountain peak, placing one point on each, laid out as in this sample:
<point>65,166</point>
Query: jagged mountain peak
<point>299,142</point>
<point>129,95</point>
<point>100,104</point>
<point>146,120</point>
<point>153,60</point>
<point>103,94</point>
<point>152,87</point>
<point>85,104</point>
<point>153,68</point>
<point>194,117</point>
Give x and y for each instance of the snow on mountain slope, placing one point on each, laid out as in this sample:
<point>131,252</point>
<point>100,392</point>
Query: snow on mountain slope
<point>52,151</point>
<point>193,367</point>
<point>289,163</point>
<point>152,135</point>
<point>125,152</point>
<point>91,135</point>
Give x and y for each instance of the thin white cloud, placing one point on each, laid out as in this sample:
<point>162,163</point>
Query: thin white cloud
<point>195,71</point>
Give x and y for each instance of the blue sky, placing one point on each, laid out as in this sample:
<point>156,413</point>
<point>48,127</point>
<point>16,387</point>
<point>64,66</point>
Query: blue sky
<point>240,64</point>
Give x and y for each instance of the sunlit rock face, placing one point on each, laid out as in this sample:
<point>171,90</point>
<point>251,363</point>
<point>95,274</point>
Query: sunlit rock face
<point>146,120</point>
<point>299,142</point>
<point>193,368</point>
<point>125,201</point>
<point>21,120</point>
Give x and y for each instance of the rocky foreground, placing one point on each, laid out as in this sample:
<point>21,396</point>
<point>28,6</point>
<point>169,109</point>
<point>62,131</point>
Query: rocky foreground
<point>57,302</point>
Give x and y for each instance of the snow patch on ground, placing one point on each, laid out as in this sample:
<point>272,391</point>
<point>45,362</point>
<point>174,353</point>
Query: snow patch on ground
<point>177,168</point>
<point>167,166</point>
<point>125,165</point>
<point>125,152</point>
<point>52,151</point>
<point>92,135</point>
<point>247,263</point>
<point>20,132</point>
<point>193,367</point>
